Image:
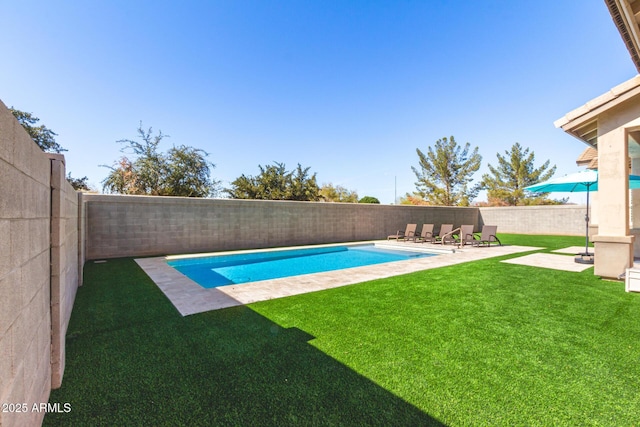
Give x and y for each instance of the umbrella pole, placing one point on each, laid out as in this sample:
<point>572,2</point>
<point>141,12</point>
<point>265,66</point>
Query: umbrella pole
<point>586,220</point>
<point>586,257</point>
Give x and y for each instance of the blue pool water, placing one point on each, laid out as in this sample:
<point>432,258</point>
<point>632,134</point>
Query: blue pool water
<point>222,270</point>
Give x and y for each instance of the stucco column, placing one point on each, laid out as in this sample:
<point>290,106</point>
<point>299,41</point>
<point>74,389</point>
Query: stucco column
<point>593,214</point>
<point>613,243</point>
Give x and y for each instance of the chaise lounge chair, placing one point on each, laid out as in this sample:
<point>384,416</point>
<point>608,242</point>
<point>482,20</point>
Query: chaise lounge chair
<point>445,235</point>
<point>426,235</point>
<point>465,237</point>
<point>409,233</point>
<point>488,235</point>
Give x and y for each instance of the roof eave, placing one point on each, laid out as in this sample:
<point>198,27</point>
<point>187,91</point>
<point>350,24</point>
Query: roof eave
<point>582,122</point>
<point>626,20</point>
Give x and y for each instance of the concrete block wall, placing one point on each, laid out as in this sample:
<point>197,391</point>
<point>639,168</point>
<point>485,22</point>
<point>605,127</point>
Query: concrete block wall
<point>66,265</point>
<point>26,278</point>
<point>567,220</point>
<point>25,322</point>
<point>119,226</point>
<point>81,238</point>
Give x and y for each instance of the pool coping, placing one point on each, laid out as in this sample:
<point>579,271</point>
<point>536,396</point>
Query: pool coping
<point>190,298</point>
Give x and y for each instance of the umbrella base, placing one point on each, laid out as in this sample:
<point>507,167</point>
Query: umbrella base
<point>585,258</point>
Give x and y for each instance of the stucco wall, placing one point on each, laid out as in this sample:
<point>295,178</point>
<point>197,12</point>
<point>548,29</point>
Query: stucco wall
<point>119,226</point>
<point>567,220</point>
<point>26,274</point>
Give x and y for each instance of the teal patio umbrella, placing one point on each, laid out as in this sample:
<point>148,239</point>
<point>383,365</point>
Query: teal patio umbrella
<point>578,182</point>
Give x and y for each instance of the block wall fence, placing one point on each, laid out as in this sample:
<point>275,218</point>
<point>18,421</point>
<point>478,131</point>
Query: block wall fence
<point>120,226</point>
<point>47,230</point>
<point>562,220</point>
<point>140,225</point>
<point>39,270</point>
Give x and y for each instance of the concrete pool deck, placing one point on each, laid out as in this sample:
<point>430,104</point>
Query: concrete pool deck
<point>190,298</point>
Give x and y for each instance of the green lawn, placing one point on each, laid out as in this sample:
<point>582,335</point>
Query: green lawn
<point>482,343</point>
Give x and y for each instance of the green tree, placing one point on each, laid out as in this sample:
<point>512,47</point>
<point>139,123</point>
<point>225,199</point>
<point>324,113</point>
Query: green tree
<point>121,179</point>
<point>276,183</point>
<point>369,199</point>
<point>183,171</point>
<point>79,184</point>
<point>270,184</point>
<point>445,173</point>
<point>41,135</point>
<point>45,139</point>
<point>303,187</point>
<point>338,193</point>
<point>188,173</point>
<point>243,187</point>
<point>515,171</point>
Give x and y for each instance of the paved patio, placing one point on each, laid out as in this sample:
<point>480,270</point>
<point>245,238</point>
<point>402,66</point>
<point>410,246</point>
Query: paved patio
<point>551,261</point>
<point>573,250</point>
<point>190,298</point>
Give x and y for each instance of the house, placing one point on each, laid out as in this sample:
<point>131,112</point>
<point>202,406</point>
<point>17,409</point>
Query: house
<point>610,124</point>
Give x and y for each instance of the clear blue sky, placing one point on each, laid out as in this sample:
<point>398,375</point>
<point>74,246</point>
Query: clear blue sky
<point>348,88</point>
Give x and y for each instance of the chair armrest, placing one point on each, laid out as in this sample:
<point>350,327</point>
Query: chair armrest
<point>451,233</point>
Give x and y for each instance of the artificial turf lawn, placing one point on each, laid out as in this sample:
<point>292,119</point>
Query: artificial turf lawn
<point>482,343</point>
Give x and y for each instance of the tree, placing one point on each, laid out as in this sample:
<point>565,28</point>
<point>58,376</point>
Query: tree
<point>303,187</point>
<point>413,199</point>
<point>276,183</point>
<point>445,173</point>
<point>338,193</point>
<point>41,135</point>
<point>183,171</point>
<point>515,171</point>
<point>79,184</point>
<point>369,199</point>
<point>188,172</point>
<point>45,139</point>
<point>121,179</point>
<point>271,184</point>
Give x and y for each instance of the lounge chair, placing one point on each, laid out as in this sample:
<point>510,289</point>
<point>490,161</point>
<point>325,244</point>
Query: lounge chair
<point>465,237</point>
<point>409,233</point>
<point>426,235</point>
<point>488,235</point>
<point>445,235</point>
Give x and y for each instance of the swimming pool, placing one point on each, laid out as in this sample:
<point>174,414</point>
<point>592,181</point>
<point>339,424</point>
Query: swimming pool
<point>223,270</point>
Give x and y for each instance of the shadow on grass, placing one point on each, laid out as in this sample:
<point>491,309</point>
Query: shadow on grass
<point>133,360</point>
